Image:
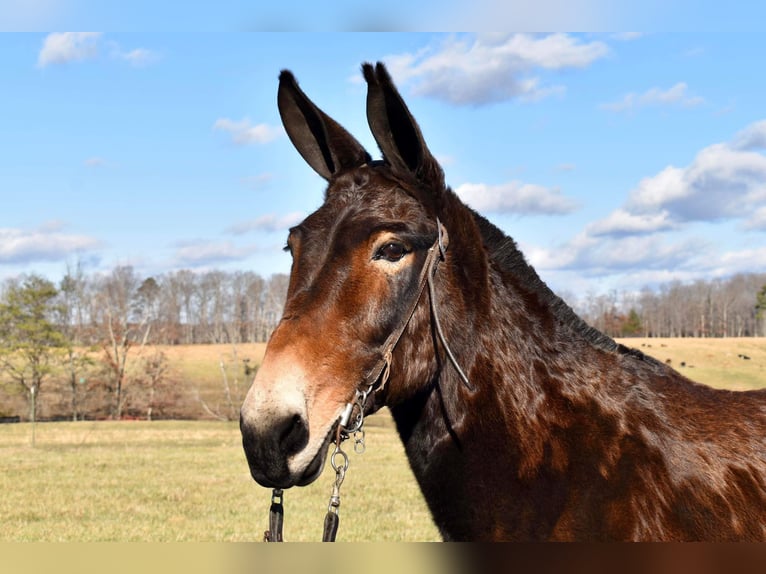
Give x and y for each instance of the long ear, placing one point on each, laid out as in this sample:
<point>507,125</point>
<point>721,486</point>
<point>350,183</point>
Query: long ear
<point>325,145</point>
<point>396,131</point>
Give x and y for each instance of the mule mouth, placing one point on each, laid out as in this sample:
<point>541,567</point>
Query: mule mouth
<point>315,467</point>
<point>288,479</point>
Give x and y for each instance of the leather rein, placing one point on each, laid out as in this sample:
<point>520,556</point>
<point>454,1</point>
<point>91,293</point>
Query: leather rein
<point>351,421</point>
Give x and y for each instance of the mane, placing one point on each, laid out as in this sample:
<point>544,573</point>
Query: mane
<point>503,251</point>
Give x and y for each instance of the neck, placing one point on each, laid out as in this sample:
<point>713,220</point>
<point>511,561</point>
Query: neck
<point>568,436</point>
<point>451,434</point>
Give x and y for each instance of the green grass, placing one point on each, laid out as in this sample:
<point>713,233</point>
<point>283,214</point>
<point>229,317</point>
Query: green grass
<point>188,481</point>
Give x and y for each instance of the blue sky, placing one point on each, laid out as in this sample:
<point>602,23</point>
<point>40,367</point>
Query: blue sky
<point>615,160</point>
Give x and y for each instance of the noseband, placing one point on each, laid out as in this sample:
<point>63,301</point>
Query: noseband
<point>351,421</point>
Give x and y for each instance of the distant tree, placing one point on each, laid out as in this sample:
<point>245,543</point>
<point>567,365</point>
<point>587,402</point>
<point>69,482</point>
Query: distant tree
<point>631,327</point>
<point>70,316</point>
<point>30,340</point>
<point>146,300</point>
<point>124,323</point>
<point>760,307</point>
<point>152,379</point>
<point>226,406</point>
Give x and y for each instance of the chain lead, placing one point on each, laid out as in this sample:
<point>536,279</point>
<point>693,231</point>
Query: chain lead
<point>339,462</point>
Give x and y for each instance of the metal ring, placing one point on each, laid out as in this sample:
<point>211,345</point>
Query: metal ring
<point>344,456</point>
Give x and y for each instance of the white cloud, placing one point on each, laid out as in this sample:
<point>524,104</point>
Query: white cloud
<point>199,253</point>
<point>744,261</point>
<point>757,220</point>
<point>724,181</point>
<point>64,47</point>
<point>47,243</point>
<point>654,191</point>
<point>515,197</point>
<point>676,95</point>
<point>492,67</point>
<point>641,241</point>
<point>752,137</point>
<point>137,57</point>
<point>622,222</point>
<point>269,222</point>
<point>243,132</point>
<point>596,256</point>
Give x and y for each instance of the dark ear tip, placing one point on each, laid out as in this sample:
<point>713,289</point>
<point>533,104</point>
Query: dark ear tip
<point>380,69</point>
<point>286,76</point>
<point>369,73</point>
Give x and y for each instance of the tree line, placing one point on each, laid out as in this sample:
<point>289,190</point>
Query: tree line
<point>732,307</point>
<point>80,337</point>
<point>176,308</point>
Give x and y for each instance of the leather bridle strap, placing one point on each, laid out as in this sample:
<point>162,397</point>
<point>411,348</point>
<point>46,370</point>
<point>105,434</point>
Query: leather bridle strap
<point>436,252</point>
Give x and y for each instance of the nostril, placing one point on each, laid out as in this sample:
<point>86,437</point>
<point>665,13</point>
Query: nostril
<point>293,434</point>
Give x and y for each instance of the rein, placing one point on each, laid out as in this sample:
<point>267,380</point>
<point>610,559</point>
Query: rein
<point>375,382</point>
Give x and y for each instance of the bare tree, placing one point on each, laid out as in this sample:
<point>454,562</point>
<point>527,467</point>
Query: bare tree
<point>226,406</point>
<point>155,368</point>
<point>124,324</point>
<point>72,311</point>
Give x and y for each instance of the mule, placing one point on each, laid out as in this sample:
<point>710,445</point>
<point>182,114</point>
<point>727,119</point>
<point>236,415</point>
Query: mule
<point>520,421</point>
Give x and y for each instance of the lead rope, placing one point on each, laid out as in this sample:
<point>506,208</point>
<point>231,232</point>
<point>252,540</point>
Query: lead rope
<point>276,517</point>
<point>339,462</point>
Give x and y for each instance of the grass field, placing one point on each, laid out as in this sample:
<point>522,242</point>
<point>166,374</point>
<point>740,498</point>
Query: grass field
<point>188,481</point>
<point>713,362</point>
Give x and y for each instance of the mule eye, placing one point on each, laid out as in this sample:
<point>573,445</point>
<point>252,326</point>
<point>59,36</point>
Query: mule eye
<point>392,251</point>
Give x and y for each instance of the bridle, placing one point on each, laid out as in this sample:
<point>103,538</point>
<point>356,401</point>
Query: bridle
<point>351,421</point>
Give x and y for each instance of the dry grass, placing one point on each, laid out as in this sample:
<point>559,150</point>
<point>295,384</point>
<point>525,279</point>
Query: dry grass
<point>713,362</point>
<point>187,481</point>
<point>201,363</point>
<point>196,371</point>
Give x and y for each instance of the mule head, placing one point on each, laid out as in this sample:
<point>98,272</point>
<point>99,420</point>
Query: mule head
<point>356,266</point>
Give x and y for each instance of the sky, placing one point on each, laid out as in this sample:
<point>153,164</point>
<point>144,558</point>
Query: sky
<point>615,160</point>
